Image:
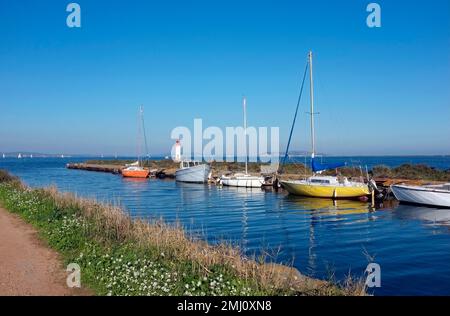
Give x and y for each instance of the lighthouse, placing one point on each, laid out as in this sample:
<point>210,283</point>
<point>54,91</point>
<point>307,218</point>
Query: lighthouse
<point>176,156</point>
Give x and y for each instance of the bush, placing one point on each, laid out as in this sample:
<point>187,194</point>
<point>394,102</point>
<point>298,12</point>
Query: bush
<point>6,177</point>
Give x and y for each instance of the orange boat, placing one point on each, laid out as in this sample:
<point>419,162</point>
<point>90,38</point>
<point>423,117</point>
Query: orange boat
<point>135,172</point>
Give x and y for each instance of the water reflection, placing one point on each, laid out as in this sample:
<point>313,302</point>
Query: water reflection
<point>428,215</point>
<point>328,206</point>
<point>327,211</point>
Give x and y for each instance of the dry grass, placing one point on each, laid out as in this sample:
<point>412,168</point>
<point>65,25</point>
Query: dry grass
<point>112,225</point>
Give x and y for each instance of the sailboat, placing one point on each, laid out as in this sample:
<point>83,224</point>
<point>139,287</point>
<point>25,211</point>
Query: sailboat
<point>136,170</point>
<point>4,156</point>
<point>323,186</point>
<point>243,179</point>
<point>19,156</point>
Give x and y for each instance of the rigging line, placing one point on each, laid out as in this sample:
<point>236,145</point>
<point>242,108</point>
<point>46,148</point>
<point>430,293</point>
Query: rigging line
<point>295,117</point>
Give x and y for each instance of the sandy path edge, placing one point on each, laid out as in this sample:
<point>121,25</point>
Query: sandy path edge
<point>27,265</point>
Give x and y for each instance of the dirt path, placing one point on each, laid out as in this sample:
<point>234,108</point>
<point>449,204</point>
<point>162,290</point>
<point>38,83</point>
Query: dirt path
<point>27,266</point>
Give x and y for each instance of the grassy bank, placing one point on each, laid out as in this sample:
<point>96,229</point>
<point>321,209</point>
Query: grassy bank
<point>121,256</point>
<point>405,171</point>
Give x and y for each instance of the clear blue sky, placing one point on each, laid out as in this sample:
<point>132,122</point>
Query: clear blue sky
<point>378,91</point>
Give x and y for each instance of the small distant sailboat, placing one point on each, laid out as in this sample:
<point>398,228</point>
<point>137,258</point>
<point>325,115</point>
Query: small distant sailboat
<point>136,170</point>
<point>243,179</point>
<point>4,156</point>
<point>323,186</point>
<point>19,156</point>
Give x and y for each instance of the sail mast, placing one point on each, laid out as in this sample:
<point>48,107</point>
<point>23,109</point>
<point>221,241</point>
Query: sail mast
<point>143,131</point>
<point>313,145</point>
<point>244,104</point>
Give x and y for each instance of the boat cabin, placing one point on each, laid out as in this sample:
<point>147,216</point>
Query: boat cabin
<point>189,163</point>
<point>328,180</point>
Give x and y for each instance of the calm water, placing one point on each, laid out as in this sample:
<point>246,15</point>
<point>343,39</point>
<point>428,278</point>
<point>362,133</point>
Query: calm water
<point>411,244</point>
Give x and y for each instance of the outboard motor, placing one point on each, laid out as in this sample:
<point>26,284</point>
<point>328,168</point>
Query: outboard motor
<point>373,185</point>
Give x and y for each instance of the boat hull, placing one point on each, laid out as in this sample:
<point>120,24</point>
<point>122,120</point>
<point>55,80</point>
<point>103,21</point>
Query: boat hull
<point>246,182</point>
<point>325,191</point>
<point>422,196</point>
<point>135,173</point>
<point>194,174</point>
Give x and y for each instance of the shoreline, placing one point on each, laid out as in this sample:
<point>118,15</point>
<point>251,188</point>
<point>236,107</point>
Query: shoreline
<point>119,256</point>
<point>383,175</point>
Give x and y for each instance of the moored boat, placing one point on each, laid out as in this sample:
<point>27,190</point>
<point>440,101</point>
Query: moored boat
<point>136,169</point>
<point>135,172</point>
<point>431,195</point>
<point>333,187</point>
<point>193,171</point>
<point>326,187</point>
<point>243,179</point>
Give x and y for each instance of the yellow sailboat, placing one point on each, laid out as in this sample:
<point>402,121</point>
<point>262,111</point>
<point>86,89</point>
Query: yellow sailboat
<point>326,187</point>
<point>323,186</point>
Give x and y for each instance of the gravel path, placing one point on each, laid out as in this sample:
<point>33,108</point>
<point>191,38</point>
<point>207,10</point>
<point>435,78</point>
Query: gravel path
<point>27,266</point>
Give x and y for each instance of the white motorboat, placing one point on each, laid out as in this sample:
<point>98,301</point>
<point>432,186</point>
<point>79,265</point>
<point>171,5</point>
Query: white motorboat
<point>243,179</point>
<point>193,171</point>
<point>432,195</point>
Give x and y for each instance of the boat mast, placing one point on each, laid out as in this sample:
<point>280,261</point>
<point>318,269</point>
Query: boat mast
<point>244,104</point>
<point>143,131</point>
<point>313,145</point>
<point>139,136</point>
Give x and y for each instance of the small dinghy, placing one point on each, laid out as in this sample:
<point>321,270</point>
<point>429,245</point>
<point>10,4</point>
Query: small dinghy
<point>431,195</point>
